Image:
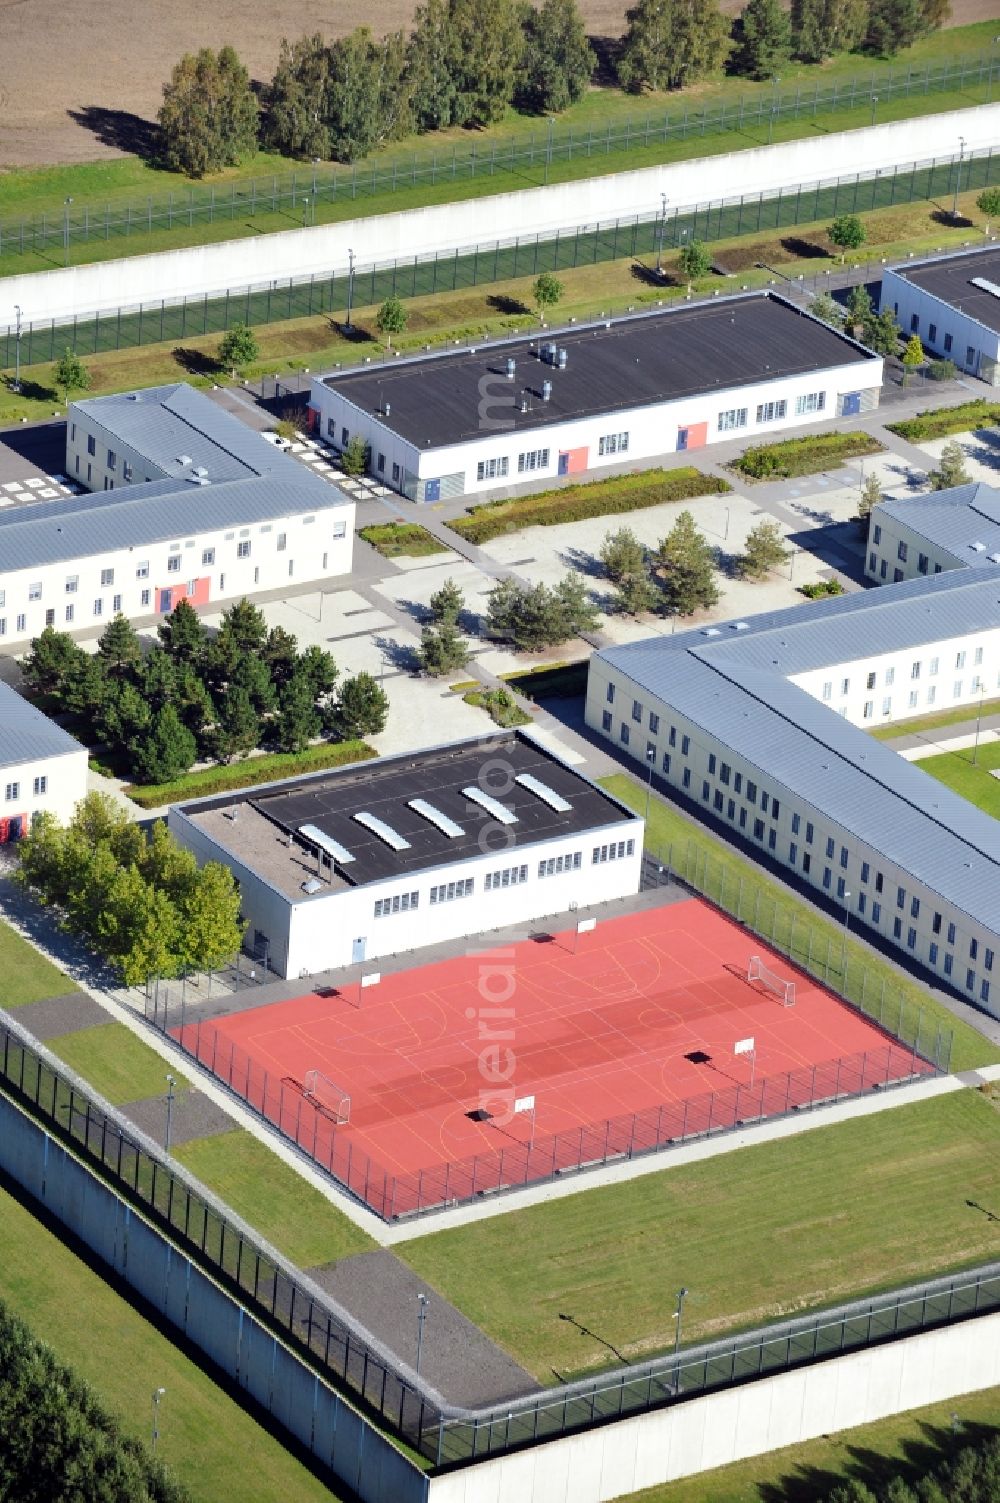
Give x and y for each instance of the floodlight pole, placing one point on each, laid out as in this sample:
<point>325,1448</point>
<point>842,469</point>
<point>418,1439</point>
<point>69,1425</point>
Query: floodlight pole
<point>171,1082</point>
<point>548,148</point>
<point>651,759</point>
<point>993,58</point>
<point>682,1291</point>
<point>157,1396</point>
<point>874,107</point>
<point>958,176</point>
<point>847,918</point>
<point>979,719</point>
<point>17,347</point>
<point>422,1302</point>
<point>350,286</point>
<point>663,226</point>
<point>66,204</point>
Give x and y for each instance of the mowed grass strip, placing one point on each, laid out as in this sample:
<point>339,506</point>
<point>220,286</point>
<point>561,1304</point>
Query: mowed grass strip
<point>286,1210</point>
<point>213,1445</point>
<point>667,827</point>
<point>913,1444</point>
<point>247,774</point>
<point>965,714</point>
<point>574,503</point>
<point>939,422</point>
<point>973,780</point>
<point>401,540</point>
<point>754,1234</point>
<point>27,975</point>
<point>116,1063</point>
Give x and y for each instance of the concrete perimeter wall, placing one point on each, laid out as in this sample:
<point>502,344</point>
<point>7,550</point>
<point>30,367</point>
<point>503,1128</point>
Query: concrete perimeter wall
<point>239,1345</point>
<point>83,290</point>
<point>710,1432</point>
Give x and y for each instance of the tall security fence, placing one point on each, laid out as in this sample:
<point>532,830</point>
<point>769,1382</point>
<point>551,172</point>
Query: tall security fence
<point>444,1433</point>
<point>496,261</point>
<point>297,195</point>
<point>914,1046</point>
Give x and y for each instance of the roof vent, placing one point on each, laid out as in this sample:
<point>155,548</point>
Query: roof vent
<point>201,470</point>
<point>312,885</point>
<point>546,391</point>
<point>710,631</point>
<point>378,827</point>
<point>511,367</point>
<point>995,558</point>
<point>499,811</point>
<point>978,547</point>
<point>562,359</point>
<point>132,396</point>
<point>740,626</point>
<point>184,459</point>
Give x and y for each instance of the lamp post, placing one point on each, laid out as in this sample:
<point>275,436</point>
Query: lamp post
<point>17,347</point>
<point>157,1396</point>
<point>682,1291</point>
<point>993,58</point>
<point>315,165</point>
<point>548,147</point>
<point>305,209</point>
<point>958,176</point>
<point>66,204</point>
<point>775,107</point>
<point>979,718</point>
<point>874,107</point>
<point>171,1082</point>
<point>350,286</point>
<point>422,1303</point>
<point>847,916</point>
<point>651,760</point>
<point>663,225</point>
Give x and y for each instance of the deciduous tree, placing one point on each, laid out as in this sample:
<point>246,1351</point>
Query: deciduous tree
<point>951,469</point>
<point>670,43</point>
<point>823,27</point>
<point>209,116</point>
<point>824,307</point>
<point>366,101</point>
<point>238,349</point>
<point>763,38</point>
<point>547,290</point>
<point>71,374</point>
<point>488,41</point>
<point>988,203</point>
<point>847,233</point>
<point>391,319</point>
<point>558,60</point>
<point>296,99</point>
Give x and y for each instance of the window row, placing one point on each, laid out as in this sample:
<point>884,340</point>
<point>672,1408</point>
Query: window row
<point>448,891</point>
<point>613,443</point>
<point>616,851</point>
<point>508,876</point>
<point>554,865</point>
<point>402,902</point>
<point>39,786</point>
<point>971,353</point>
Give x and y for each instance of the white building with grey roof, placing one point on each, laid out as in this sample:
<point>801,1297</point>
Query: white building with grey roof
<point>953,303</point>
<point>42,768</point>
<point>760,726</point>
<point>346,866</point>
<point>184,502</point>
<point>917,535</point>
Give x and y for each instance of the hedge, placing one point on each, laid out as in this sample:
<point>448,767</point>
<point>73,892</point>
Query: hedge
<point>402,540</point>
<point>246,774</point>
<point>804,456</point>
<point>598,498</point>
<point>940,422</point>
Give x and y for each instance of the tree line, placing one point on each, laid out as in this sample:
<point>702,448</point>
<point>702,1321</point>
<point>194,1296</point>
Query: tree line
<point>141,902</point>
<point>467,62</point>
<point>970,1476</point>
<point>59,1442</point>
<point>196,697</point>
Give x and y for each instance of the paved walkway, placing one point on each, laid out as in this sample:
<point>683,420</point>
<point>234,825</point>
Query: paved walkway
<point>945,738</point>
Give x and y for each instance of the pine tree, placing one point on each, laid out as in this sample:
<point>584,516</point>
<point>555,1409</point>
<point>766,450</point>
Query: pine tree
<point>281,655</point>
<point>763,551</point>
<point>443,649</point>
<point>685,566</point>
<point>558,61</point>
<point>826,308</point>
<point>209,116</point>
<point>670,43</point>
<point>237,729</point>
<point>881,333</point>
<point>764,39</point>
<point>119,648</point>
<point>447,603</point>
<point>297,721</point>
<point>362,708</point>
<point>124,714</point>
<point>319,671</point>
<point>52,659</point>
<point>245,625</point>
<point>253,676</point>
<point>871,496</point>
<point>951,469</point>
<point>296,100</point>
<point>165,750</point>
<point>859,306</point>
<point>159,679</point>
<point>627,565</point>
<point>182,634</point>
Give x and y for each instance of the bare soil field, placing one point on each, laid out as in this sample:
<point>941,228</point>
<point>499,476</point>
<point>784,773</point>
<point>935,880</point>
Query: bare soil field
<point>81,79</point>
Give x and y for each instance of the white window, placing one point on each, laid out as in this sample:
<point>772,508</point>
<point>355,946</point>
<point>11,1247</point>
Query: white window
<point>207,556</point>
<point>616,851</point>
<point>736,417</point>
<point>611,443</point>
<point>402,902</point>
<point>890,677</point>
<point>242,550</point>
<point>116,604</point>
<point>557,864</point>
<point>914,670</point>
<point>491,469</point>
<point>771,412</point>
<point>828,689</point>
<point>72,583</point>
<point>887,705</point>
<point>174,564</point>
<point>913,699</point>
<point>813,401</point>
<point>107,577</point>
<point>126,470</point>
<point>98,607</point>
<point>931,694</point>
<point>144,597</point>
<point>447,892</point>
<point>3,626</point>
<point>22,622</point>
<point>282,541</point>
<point>932,670</point>
<point>70,612</point>
<point>142,569</point>
<point>112,460</point>
<point>13,792</point>
<point>35,590</point>
<point>977,684</point>
<point>957,690</point>
<point>3,597</point>
<point>40,785</point>
<point>536,459</point>
<point>978,657</point>
<point>508,876</point>
<point>869,709</point>
<point>960,660</point>
<point>339,530</point>
<point>845,686</point>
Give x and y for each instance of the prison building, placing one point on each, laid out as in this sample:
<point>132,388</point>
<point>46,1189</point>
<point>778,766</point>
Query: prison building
<point>42,768</point>
<point>185,503</point>
<point>488,418</point>
<point>953,303</point>
<point>953,529</point>
<point>392,855</point>
<point>761,725</point>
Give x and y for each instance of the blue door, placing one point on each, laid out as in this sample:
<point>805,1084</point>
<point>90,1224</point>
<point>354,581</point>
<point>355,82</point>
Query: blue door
<point>564,464</point>
<point>358,950</point>
<point>432,490</point>
<point>165,600</point>
<point>682,438</point>
<point>852,403</point>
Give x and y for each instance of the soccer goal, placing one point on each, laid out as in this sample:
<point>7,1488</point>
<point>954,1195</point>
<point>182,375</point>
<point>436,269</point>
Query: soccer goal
<point>332,1100</point>
<point>771,981</point>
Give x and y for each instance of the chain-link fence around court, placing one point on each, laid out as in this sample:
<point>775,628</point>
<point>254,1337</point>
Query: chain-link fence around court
<point>450,1434</point>
<point>534,155</point>
<point>498,261</point>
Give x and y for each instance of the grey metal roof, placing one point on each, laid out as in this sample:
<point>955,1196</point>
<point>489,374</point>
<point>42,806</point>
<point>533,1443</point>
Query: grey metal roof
<point>28,736</point>
<point>964,522</point>
<point>137,515</point>
<point>734,685</point>
<point>950,278</point>
<point>163,423</point>
<point>611,366</point>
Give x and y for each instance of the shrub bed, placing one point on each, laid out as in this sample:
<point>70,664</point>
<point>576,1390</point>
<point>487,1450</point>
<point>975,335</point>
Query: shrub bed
<point>246,774</point>
<point>821,589</point>
<point>500,706</point>
<point>804,456</point>
<point>941,422</point>
<point>598,498</point>
<point>401,540</point>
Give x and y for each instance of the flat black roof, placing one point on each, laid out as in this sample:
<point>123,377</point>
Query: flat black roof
<point>612,366</point>
<point>950,279</point>
<point>329,802</point>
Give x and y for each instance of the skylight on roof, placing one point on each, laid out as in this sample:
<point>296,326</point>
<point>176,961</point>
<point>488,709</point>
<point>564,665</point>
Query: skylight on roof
<point>436,817</point>
<point>500,812</point>
<point>985,285</point>
<point>544,792</point>
<point>384,832</point>
<point>326,843</point>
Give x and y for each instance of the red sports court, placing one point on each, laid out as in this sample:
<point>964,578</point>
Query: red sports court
<point>625,1037</point>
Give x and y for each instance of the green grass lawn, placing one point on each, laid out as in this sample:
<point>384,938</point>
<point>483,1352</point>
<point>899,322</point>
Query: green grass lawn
<point>973,781</point>
<point>778,906</point>
<point>755,1234</point>
<point>218,1450</point>
<point>93,186</point>
<point>116,1063</point>
<point>280,1204</point>
<point>402,540</point>
<point>942,421</point>
<point>964,715</point>
<point>30,977</point>
<point>803,456</point>
<point>912,1443</point>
